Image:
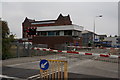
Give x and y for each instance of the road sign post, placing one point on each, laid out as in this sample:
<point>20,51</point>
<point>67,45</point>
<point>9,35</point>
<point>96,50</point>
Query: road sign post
<point>44,64</point>
<point>53,69</point>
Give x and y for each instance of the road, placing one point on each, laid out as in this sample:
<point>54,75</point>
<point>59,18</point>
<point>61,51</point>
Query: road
<point>77,67</point>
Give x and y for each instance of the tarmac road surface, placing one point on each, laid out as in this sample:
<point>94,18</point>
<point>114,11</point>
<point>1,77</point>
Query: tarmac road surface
<point>77,68</point>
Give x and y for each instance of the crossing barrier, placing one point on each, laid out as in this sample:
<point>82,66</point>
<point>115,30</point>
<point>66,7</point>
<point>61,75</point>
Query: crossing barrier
<point>80,53</point>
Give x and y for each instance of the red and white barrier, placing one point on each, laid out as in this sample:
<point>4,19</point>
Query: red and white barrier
<point>81,53</point>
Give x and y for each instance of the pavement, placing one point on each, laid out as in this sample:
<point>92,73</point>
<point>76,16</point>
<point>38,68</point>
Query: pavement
<point>78,68</point>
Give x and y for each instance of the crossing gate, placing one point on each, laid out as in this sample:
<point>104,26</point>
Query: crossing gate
<point>57,70</point>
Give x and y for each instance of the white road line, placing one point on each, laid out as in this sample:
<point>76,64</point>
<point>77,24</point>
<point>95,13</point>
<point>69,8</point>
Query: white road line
<point>4,76</point>
<point>31,77</point>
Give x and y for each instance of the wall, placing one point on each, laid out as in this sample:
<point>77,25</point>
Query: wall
<point>51,41</point>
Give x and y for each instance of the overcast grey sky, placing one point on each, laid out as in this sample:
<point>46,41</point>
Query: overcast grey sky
<point>81,13</point>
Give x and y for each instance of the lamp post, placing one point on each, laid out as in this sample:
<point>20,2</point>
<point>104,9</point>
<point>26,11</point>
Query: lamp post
<point>94,29</point>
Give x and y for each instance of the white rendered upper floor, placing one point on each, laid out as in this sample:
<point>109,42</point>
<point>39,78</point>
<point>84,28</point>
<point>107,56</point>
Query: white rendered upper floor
<point>60,28</point>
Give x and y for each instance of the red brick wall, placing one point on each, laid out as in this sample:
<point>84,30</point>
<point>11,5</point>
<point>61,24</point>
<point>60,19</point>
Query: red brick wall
<point>52,40</point>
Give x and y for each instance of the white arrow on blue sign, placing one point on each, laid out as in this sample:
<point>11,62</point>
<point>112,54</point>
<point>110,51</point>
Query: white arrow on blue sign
<point>44,64</point>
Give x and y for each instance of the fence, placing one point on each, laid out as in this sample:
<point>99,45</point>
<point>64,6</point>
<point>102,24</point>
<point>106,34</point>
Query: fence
<point>57,70</point>
<point>24,50</point>
<point>18,50</point>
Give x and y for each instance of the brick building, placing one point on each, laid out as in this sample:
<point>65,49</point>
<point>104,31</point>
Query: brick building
<point>52,32</point>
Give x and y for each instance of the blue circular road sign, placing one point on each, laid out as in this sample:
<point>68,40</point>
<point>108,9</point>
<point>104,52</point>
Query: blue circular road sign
<point>44,64</point>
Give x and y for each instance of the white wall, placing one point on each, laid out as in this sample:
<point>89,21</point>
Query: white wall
<point>63,27</point>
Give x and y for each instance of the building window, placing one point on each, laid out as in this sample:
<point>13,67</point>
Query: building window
<point>76,33</point>
<point>69,32</point>
<point>57,33</point>
<point>44,33</point>
<point>51,33</point>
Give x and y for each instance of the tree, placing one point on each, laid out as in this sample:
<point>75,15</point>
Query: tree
<point>5,29</point>
<point>115,35</point>
<point>6,40</point>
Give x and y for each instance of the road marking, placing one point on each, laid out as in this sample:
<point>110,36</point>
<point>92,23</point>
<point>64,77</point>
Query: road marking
<point>4,76</point>
<point>35,76</point>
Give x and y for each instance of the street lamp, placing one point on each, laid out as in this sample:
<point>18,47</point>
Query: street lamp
<point>100,16</point>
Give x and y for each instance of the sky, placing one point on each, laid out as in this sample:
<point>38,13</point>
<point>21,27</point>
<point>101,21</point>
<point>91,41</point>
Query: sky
<point>119,19</point>
<point>81,13</point>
